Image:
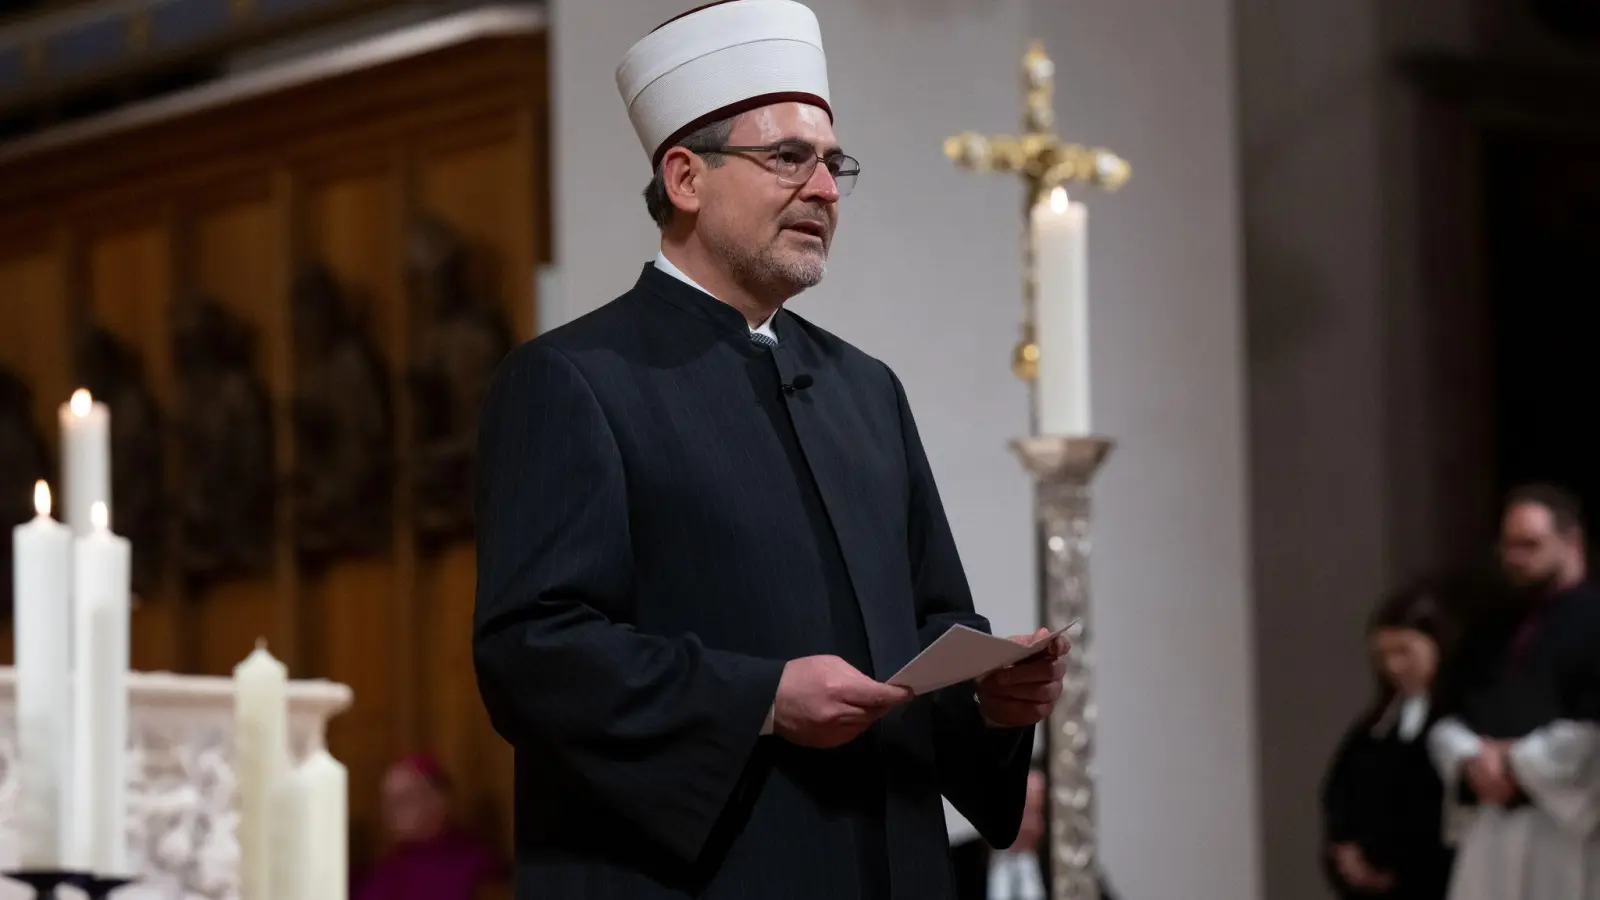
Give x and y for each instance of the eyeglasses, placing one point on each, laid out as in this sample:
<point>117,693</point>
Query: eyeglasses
<point>795,161</point>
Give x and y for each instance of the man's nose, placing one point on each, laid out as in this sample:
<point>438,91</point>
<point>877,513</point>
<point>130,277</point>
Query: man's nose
<point>822,185</point>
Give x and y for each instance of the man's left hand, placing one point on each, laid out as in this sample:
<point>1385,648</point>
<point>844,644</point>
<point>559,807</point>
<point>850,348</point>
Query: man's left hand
<point>1025,693</point>
<point>1490,774</point>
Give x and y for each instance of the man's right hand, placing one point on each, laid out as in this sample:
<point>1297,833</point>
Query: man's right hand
<point>824,702</point>
<point>1487,775</point>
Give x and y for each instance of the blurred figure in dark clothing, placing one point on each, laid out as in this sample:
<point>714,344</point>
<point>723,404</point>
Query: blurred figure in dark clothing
<point>1382,800</point>
<point>1018,872</point>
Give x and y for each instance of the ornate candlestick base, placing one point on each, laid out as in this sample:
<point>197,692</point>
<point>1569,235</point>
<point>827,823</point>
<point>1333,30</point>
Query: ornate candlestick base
<point>99,887</point>
<point>44,881</point>
<point>1062,468</point>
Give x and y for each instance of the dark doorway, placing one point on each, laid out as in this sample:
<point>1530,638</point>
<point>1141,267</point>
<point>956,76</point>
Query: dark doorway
<point>1542,246</point>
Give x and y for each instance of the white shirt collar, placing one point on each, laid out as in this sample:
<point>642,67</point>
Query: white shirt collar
<point>1413,715</point>
<point>665,265</point>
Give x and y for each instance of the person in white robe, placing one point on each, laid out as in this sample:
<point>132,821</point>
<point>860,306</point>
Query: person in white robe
<point>1518,749</point>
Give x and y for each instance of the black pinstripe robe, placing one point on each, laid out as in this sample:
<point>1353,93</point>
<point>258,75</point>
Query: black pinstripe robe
<point>660,528</point>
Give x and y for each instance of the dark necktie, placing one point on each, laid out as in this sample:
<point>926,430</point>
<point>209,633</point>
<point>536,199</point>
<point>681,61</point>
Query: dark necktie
<point>761,340</point>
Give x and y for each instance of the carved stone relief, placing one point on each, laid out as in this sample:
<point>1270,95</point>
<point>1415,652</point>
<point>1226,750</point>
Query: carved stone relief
<point>344,427</point>
<point>227,492</point>
<point>465,338</point>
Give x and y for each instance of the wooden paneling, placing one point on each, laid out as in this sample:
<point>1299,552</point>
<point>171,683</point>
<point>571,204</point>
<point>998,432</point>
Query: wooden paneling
<point>231,251</point>
<point>466,185</point>
<point>127,282</point>
<point>347,613</point>
<point>477,181</point>
<point>228,203</point>
<point>36,316</point>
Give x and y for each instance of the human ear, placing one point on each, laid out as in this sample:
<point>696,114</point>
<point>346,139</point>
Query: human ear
<point>681,173</point>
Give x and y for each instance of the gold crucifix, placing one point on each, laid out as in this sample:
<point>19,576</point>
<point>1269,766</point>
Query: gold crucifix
<point>1044,162</point>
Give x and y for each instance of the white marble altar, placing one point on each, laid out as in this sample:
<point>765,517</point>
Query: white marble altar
<point>182,805</point>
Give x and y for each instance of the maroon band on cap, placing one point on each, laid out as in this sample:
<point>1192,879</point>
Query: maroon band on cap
<point>734,109</point>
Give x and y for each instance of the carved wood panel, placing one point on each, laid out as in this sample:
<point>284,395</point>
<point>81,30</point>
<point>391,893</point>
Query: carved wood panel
<point>475,183</point>
<point>266,224</point>
<point>126,285</point>
<point>232,253</point>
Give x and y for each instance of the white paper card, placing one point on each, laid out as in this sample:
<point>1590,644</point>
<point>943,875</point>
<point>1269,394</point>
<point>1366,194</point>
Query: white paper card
<point>962,654</point>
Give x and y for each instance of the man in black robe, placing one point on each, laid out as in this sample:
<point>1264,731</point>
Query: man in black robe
<point>708,532</point>
<point>1519,747</point>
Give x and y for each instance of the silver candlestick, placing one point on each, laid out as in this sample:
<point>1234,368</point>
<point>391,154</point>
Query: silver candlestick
<point>1062,468</point>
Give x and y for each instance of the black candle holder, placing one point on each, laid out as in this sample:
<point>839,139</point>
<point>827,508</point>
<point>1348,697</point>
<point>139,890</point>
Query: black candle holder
<point>44,881</point>
<point>99,887</point>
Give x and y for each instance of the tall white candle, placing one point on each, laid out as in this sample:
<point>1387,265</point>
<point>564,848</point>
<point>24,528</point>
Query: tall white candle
<point>85,459</point>
<point>1061,305</point>
<point>261,730</point>
<point>100,586</point>
<point>310,818</point>
<point>42,582</point>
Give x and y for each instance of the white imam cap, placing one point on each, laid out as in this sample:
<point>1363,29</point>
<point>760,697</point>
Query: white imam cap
<point>718,61</point>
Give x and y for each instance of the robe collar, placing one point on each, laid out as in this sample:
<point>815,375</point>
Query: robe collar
<point>679,290</point>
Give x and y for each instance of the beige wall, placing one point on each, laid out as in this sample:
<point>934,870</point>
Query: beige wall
<point>1346,498</point>
<point>1154,80</point>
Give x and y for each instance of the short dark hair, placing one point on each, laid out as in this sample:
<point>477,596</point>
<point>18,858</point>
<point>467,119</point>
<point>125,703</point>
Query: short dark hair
<point>705,142</point>
<point>1565,510</point>
<point>1415,607</point>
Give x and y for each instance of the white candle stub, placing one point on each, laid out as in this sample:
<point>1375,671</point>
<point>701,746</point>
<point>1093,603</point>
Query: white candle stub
<point>42,622</point>
<point>311,816</point>
<point>261,736</point>
<point>1061,314</point>
<point>85,458</point>
<point>100,584</point>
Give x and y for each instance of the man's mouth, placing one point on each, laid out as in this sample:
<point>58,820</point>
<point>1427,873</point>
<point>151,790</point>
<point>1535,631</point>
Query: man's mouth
<point>814,229</point>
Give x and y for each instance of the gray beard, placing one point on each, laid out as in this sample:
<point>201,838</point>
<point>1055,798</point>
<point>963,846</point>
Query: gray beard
<point>765,272</point>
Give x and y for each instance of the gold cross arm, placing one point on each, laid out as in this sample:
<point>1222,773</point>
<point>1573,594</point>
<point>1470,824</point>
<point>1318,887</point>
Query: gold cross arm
<point>1041,159</point>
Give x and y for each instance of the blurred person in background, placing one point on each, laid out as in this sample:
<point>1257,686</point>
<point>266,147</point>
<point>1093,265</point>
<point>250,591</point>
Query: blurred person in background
<point>432,858</point>
<point>1020,871</point>
<point>1518,747</point>
<point>1382,801</point>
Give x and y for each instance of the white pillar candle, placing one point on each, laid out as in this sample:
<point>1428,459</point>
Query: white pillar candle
<point>85,460</point>
<point>100,585</point>
<point>42,595</point>
<point>1061,314</point>
<point>310,821</point>
<point>261,730</point>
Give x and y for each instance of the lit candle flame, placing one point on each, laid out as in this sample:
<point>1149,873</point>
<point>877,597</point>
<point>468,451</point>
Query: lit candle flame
<point>82,402</point>
<point>100,516</point>
<point>1059,201</point>
<point>41,499</point>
